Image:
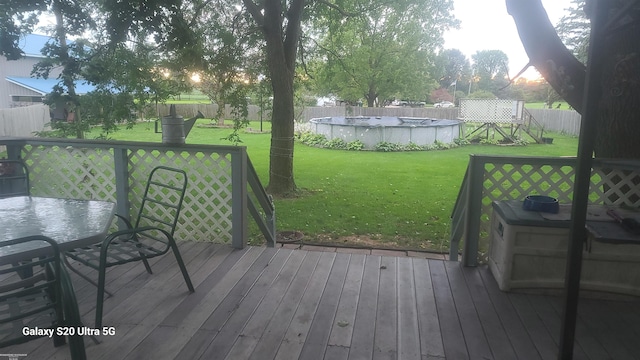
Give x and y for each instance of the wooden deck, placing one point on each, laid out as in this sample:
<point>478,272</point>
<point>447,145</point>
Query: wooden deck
<point>261,303</point>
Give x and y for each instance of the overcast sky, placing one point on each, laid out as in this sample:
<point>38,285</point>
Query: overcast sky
<point>486,25</point>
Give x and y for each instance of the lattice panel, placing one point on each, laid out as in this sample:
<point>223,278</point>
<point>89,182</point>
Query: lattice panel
<point>616,187</point>
<point>69,172</point>
<point>515,181</point>
<point>206,213</point>
<point>491,110</point>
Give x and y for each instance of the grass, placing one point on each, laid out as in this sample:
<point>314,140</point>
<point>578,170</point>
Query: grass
<point>401,199</point>
<point>542,105</point>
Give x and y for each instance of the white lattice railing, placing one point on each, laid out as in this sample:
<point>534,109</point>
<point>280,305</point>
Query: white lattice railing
<point>492,178</point>
<point>216,203</point>
<point>491,111</point>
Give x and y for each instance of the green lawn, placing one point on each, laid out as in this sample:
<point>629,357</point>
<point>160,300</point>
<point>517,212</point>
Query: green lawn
<point>541,105</point>
<point>367,198</point>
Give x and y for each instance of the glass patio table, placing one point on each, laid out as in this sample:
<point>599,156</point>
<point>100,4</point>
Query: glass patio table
<point>71,223</point>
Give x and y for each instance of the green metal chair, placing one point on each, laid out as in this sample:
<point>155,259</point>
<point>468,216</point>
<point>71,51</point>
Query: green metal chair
<point>14,178</point>
<point>151,235</point>
<point>37,292</point>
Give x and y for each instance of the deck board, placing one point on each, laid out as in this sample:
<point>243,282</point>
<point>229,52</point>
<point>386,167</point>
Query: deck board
<point>300,324</point>
<point>408,329</point>
<point>450,328</point>
<point>496,336</point>
<point>342,329</point>
<point>316,342</point>
<point>361,346</point>
<point>473,332</point>
<point>385,340</point>
<point>431,346</point>
<point>269,342</point>
<point>259,303</point>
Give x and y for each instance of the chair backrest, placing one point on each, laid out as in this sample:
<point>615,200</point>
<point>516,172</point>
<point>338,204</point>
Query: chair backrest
<point>30,289</point>
<point>162,199</point>
<point>14,178</point>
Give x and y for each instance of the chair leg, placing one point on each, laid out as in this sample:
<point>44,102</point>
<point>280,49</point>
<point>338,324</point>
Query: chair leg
<point>100,297</point>
<point>183,268</point>
<point>88,279</point>
<point>146,264</point>
<point>72,317</point>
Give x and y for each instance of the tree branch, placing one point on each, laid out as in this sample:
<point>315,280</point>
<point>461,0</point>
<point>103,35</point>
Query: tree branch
<point>255,12</point>
<point>337,8</point>
<point>546,52</point>
<point>292,32</point>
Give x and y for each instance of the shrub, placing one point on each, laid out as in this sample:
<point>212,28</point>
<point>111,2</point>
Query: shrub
<point>336,143</point>
<point>413,147</point>
<point>439,145</point>
<point>313,139</point>
<point>387,146</point>
<point>355,145</point>
<point>461,141</point>
<point>489,141</point>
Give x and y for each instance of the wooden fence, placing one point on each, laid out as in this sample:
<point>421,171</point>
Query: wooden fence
<point>24,121</point>
<point>562,121</point>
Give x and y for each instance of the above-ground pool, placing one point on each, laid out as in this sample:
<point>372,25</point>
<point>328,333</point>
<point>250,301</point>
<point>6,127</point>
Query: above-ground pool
<point>372,130</point>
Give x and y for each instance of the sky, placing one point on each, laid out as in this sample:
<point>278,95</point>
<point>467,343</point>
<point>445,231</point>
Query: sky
<point>486,25</point>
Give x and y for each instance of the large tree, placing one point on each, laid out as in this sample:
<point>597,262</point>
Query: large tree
<point>452,66</point>
<point>71,18</point>
<point>573,29</point>
<point>280,24</point>
<point>491,69</point>
<point>618,128</point>
<point>379,49</point>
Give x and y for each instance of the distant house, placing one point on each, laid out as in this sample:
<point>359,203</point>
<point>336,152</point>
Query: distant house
<point>17,86</point>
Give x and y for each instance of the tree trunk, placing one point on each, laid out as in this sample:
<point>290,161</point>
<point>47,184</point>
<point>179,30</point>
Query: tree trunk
<point>67,78</point>
<point>619,106</point>
<point>371,97</point>
<point>281,180</point>
<point>281,55</point>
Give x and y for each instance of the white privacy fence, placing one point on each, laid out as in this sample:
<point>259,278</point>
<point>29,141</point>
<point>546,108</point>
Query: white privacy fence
<point>23,121</point>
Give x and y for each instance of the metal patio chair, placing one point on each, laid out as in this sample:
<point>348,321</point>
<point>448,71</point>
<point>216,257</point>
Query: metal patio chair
<point>14,178</point>
<point>37,292</point>
<point>151,234</point>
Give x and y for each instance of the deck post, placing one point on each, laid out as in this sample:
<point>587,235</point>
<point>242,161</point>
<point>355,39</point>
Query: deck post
<point>239,226</point>
<point>121,169</point>
<point>474,208</point>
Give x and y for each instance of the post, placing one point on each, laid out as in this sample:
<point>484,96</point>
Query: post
<point>121,166</point>
<point>578,233</point>
<point>239,226</point>
<point>474,208</point>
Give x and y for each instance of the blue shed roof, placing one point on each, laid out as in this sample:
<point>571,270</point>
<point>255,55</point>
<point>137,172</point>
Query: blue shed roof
<point>31,44</point>
<point>45,86</point>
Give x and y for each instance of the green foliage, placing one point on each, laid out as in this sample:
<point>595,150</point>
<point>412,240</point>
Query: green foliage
<point>461,141</point>
<point>452,66</point>
<point>355,145</point>
<point>412,147</point>
<point>574,28</point>
<point>382,51</point>
<point>336,143</point>
<point>520,142</point>
<point>385,146</point>
<point>482,94</point>
<point>489,141</point>
<point>491,69</point>
<point>312,139</point>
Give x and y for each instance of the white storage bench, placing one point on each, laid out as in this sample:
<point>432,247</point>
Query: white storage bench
<point>528,250</point>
